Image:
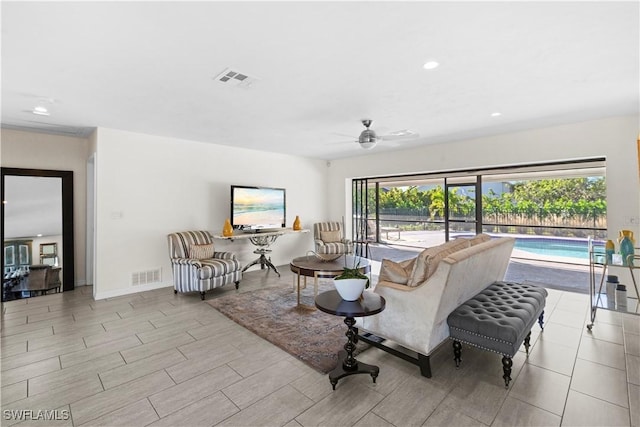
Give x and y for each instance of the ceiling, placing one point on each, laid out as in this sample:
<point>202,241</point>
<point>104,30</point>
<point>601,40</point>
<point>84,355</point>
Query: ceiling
<point>316,69</point>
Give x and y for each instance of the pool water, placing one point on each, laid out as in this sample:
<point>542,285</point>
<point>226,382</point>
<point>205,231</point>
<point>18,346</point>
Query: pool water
<point>554,247</point>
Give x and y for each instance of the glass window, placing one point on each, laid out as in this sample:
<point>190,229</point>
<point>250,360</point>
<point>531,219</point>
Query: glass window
<point>560,205</point>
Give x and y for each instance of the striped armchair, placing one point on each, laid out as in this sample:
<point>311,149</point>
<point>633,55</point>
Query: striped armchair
<point>329,238</point>
<point>197,267</point>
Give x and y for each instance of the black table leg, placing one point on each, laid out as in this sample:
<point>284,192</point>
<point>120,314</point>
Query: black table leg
<point>347,364</point>
<point>264,262</point>
<point>267,261</point>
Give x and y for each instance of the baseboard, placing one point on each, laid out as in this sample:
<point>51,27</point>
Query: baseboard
<point>131,290</point>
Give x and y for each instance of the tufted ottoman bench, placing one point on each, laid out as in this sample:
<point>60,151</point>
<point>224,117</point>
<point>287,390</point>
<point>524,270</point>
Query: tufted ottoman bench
<point>498,319</point>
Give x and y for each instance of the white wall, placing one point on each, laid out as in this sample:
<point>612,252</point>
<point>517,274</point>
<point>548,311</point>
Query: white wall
<point>30,150</point>
<point>613,138</point>
<point>149,186</point>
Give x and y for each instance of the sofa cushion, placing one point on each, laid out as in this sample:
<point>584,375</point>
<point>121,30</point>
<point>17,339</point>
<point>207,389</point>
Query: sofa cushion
<point>480,238</point>
<point>330,236</point>
<point>215,267</point>
<point>427,261</point>
<point>201,251</point>
<point>391,271</point>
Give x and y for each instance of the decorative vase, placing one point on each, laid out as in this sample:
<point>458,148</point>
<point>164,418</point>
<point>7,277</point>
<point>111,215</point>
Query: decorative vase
<point>227,229</point>
<point>612,283</point>
<point>610,249</point>
<point>350,289</point>
<point>296,223</point>
<point>626,250</point>
<point>621,297</point>
<point>626,233</point>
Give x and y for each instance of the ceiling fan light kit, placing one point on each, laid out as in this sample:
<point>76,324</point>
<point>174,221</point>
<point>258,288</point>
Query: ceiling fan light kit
<point>367,138</point>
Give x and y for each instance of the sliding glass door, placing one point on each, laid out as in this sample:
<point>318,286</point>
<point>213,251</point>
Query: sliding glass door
<point>543,206</point>
<point>462,206</point>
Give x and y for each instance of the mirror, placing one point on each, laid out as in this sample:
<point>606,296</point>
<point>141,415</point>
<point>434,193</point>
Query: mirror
<point>33,207</point>
<point>48,249</point>
<point>49,253</point>
<point>37,209</point>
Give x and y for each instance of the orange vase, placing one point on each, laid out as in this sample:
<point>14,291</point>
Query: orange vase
<point>296,224</point>
<point>227,229</point>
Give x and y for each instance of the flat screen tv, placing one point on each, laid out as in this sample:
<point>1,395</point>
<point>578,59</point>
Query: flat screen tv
<point>258,208</point>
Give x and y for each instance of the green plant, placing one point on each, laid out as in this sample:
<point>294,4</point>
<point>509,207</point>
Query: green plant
<point>353,273</point>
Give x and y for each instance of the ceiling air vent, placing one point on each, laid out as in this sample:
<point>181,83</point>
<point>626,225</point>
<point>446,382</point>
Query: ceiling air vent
<point>235,78</point>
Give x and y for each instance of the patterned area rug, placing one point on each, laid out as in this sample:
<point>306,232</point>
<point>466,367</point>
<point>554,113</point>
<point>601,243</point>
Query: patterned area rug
<point>272,313</point>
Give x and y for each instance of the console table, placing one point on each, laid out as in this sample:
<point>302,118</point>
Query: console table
<point>262,241</point>
<point>598,264</point>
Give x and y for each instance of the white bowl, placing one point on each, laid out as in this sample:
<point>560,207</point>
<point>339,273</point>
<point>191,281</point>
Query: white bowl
<point>350,289</point>
<point>327,257</point>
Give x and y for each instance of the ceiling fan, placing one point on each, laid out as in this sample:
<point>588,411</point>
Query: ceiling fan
<point>368,138</point>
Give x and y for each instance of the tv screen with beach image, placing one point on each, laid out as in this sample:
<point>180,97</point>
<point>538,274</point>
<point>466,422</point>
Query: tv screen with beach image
<point>258,207</point>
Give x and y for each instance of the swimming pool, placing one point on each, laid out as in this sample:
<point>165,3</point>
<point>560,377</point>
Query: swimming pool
<point>566,248</point>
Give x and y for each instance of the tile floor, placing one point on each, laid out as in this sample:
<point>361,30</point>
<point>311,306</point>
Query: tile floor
<point>159,359</point>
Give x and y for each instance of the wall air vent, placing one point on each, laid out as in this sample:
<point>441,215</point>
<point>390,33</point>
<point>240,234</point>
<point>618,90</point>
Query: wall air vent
<point>235,78</point>
<point>146,277</point>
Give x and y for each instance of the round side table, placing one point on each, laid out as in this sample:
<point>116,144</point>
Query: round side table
<point>331,302</point>
<point>310,266</point>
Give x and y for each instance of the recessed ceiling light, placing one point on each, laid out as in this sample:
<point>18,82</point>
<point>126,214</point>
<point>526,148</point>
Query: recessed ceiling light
<point>430,65</point>
<point>38,235</point>
<point>496,114</point>
<point>41,111</point>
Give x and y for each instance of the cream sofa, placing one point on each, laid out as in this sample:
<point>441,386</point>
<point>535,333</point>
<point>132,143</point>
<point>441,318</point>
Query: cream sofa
<point>415,316</point>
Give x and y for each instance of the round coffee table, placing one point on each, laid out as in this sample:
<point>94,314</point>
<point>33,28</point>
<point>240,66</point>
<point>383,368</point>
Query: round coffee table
<point>370,304</point>
<point>312,266</point>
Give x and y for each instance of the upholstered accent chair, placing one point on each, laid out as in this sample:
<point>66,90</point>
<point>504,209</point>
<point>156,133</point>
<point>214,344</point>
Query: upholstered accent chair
<point>53,279</point>
<point>197,267</point>
<point>329,238</point>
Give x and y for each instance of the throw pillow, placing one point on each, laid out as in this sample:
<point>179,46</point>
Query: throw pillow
<point>393,272</point>
<point>201,251</point>
<point>428,260</point>
<point>408,265</point>
<point>330,236</point>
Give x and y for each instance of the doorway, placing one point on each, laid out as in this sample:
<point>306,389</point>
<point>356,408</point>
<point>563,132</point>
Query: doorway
<point>67,240</point>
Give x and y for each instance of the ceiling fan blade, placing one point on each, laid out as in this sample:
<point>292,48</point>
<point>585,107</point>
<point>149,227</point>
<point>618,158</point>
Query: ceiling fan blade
<point>343,142</point>
<point>345,135</point>
<point>400,135</point>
